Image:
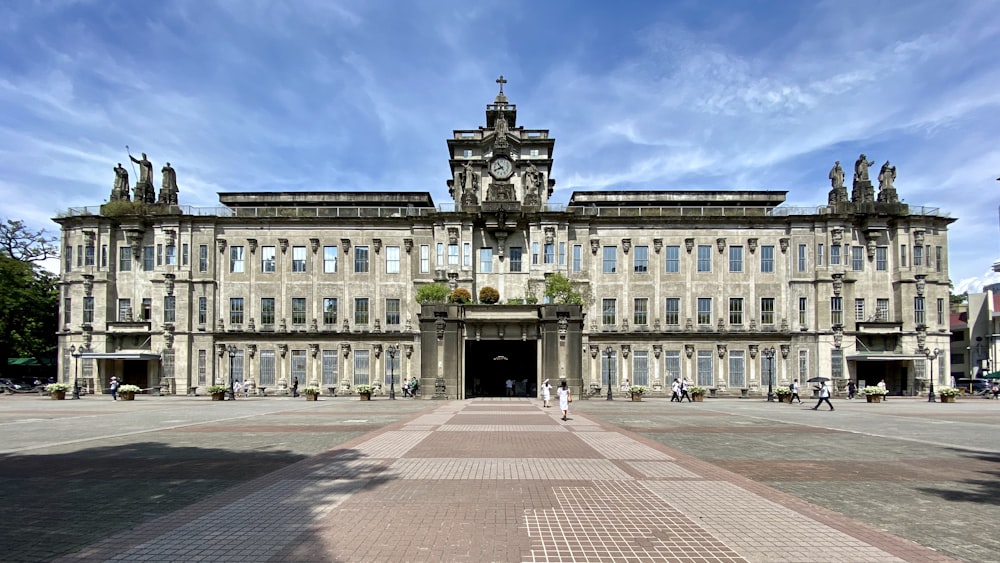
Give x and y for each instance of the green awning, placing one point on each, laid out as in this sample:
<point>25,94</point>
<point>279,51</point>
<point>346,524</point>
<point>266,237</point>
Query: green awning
<point>29,362</point>
<point>994,375</point>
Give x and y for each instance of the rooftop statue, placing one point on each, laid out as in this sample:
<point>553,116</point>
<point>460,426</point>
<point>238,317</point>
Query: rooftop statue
<point>837,176</point>
<point>861,168</point>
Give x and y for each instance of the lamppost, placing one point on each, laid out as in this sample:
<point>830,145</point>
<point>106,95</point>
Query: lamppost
<point>769,357</point>
<point>609,352</point>
<point>232,357</point>
<point>391,351</point>
<point>76,371</point>
<point>931,355</point>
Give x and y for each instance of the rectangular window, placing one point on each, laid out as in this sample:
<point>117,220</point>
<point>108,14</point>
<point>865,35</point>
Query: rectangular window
<point>704,258</point>
<point>104,256</point>
<point>766,259</point>
<point>486,260</point>
<point>902,255</point>
<point>819,254</point>
<point>610,260</point>
<point>577,258</point>
<point>918,311</point>
<point>882,309</point>
<point>609,369</point>
<point>562,253</point>
<point>202,310</point>
<point>767,311</point>
<point>392,259</point>
<point>802,257</point>
<point>803,365</point>
<point>672,364</point>
<point>940,311</point>
<point>705,376</point>
<point>927,255</point>
<point>640,259</point>
<point>329,312</point>
<point>640,367</point>
<point>298,259</point>
<point>672,312</point>
<point>425,259</point>
<point>298,365</point>
<point>267,366</point>
<point>515,258</point>
<point>704,310</point>
<point>882,258</point>
<point>267,312</point>
<point>203,258</point>
<point>147,309</point>
<point>68,258</point>
<point>859,310</point>
<point>549,253</point>
<point>361,367</point>
<point>534,253</point>
<point>735,259</point>
<point>361,260</point>
<point>641,316</point>
<point>159,255</point>
<point>467,254</point>
<point>938,258</point>
<point>88,309</point>
<point>453,255</point>
<point>835,255</point>
<point>392,313</point>
<point>125,259</point>
<point>857,258</point>
<point>268,263</point>
<point>329,368</point>
<point>79,255</point>
<point>67,311</point>
<point>89,255</point>
<point>185,254</point>
<point>169,309</point>
<point>609,312</point>
<point>124,310</point>
<point>837,310</point>
<point>330,254</point>
<point>235,311</point>
<point>148,258</point>
<point>202,367</point>
<point>918,255</point>
<point>298,310</point>
<point>736,311</point>
<point>737,369</point>
<point>171,255</point>
<point>236,259</point>
<point>673,259</point>
<point>440,254</point>
<point>804,310</point>
<point>837,364</point>
<point>361,310</point>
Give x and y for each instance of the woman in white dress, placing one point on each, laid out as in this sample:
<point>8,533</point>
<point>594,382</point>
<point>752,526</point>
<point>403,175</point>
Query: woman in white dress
<point>546,393</point>
<point>564,398</point>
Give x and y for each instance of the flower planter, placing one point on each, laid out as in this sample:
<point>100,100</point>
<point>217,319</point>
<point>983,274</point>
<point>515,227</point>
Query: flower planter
<point>636,397</point>
<point>785,398</point>
<point>873,398</point>
<point>365,396</point>
<point>220,396</point>
<point>311,397</point>
<point>57,395</point>
<point>698,397</point>
<point>127,396</point>
<point>947,398</point>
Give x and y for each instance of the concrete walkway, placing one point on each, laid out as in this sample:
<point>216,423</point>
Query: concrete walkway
<point>503,480</point>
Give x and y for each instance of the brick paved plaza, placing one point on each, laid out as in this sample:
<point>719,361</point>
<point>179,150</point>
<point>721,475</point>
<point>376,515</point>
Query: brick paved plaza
<point>276,479</point>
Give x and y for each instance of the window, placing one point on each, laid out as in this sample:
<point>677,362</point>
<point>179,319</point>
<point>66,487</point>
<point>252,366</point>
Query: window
<point>882,309</point>
<point>486,260</point>
<point>640,367</point>
<point>202,310</point>
<point>453,255</point>
<point>857,258</point>
<point>938,258</point>
<point>610,261</point>
<point>79,255</point>
<point>705,375</point>
<point>159,255</point>
<point>704,310</point>
<point>237,364</point>
<point>882,258</point>
<point>819,254</point>
<point>185,254</point>
<point>859,310</point>
<point>562,253</point>
<point>767,259</point>
<point>467,153</point>
<point>267,312</point>
<point>672,312</point>
<point>837,364</point>
<point>704,258</point>
<point>608,312</point>
<point>104,256</point>
<point>673,259</point>
<point>392,259</point>
<point>298,259</point>
<point>467,254</point>
<point>549,253</point>
<point>640,259</point>
<point>266,368</point>
<point>918,311</point>
<point>361,310</point>
<point>392,315</point>
<point>236,311</point>
<point>672,364</point>
<point>361,260</point>
<point>298,365</point>
<point>918,255</point>
<point>737,369</point>
<point>67,311</point>
<point>425,259</point>
<point>609,368</point>
<point>89,255</point>
<point>736,311</point>
<point>440,254</point>
<point>533,152</point>
<point>329,367</point>
<point>88,309</point>
<point>361,367</point>
<point>802,257</point>
<point>125,259</point>
<point>577,258</point>
<point>837,310</point>
<point>803,310</point>
<point>169,309</point>
<point>940,311</point>
<point>767,311</point>
<point>203,258</point>
<point>515,258</point>
<point>298,310</point>
<point>236,259</point>
<point>641,315</point>
<point>330,259</point>
<point>267,260</point>
<point>803,365</point>
<point>534,253</point>
<point>835,255</point>
<point>902,255</point>
<point>124,310</point>
<point>329,311</point>
<point>147,309</point>
<point>148,257</point>
<point>919,370</point>
<point>68,258</point>
<point>171,255</point>
<point>391,368</point>
<point>735,259</point>
<point>202,367</point>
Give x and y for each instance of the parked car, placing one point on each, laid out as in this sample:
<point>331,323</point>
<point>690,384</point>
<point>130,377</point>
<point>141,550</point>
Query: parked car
<point>7,382</point>
<point>978,385</point>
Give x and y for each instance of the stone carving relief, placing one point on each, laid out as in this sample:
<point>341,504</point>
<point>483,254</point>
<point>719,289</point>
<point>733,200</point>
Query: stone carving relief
<point>921,284</point>
<point>657,245</point>
<point>377,245</point>
<point>721,244</point>
<point>283,245</point>
<point>689,245</point>
<point>657,350</point>
<point>838,283</point>
<point>550,235</point>
<point>595,245</point>
<point>752,245</point>
<point>408,244</point>
<point>783,243</point>
<point>345,243</point>
<point>626,244</point>
<point>689,350</point>
<point>785,349</point>
<point>721,349</point>
<point>314,245</point>
<point>754,348</point>
<point>252,245</point>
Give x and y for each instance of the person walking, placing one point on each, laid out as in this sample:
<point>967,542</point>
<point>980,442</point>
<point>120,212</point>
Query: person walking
<point>237,389</point>
<point>852,389</point>
<point>824,395</point>
<point>676,388</point>
<point>114,387</point>
<point>795,392</point>
<point>885,391</point>
<point>510,387</point>
<point>564,399</point>
<point>546,393</point>
<point>684,391</point>
<point>295,387</point>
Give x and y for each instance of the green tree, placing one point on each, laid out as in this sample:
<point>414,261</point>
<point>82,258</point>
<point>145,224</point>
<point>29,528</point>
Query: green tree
<point>29,298</point>
<point>433,293</point>
<point>560,291</point>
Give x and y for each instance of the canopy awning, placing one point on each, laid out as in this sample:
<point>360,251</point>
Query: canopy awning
<point>122,355</point>
<point>885,357</point>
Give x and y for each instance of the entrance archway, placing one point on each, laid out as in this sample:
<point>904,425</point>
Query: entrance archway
<point>490,363</point>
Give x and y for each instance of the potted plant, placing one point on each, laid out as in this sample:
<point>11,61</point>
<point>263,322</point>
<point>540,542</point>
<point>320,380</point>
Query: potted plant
<point>697,393</point>
<point>488,295</point>
<point>57,391</point>
<point>311,393</point>
<point>637,391</point>
<point>873,393</point>
<point>364,391</point>
<point>127,392</point>
<point>218,392</point>
<point>949,394</point>
<point>784,393</point>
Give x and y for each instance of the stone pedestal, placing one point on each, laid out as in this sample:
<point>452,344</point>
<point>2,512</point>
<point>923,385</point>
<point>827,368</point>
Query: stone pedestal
<point>863,192</point>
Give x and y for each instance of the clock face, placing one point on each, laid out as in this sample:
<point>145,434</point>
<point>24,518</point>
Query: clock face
<point>501,168</point>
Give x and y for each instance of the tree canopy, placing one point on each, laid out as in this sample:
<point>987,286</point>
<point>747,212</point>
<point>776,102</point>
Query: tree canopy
<point>29,298</point>
<point>560,291</point>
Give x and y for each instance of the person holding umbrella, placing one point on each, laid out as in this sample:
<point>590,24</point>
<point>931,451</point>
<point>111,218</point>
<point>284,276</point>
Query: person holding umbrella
<point>824,393</point>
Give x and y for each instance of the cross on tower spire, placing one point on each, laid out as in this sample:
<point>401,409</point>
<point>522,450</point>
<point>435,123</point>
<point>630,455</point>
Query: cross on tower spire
<point>501,81</point>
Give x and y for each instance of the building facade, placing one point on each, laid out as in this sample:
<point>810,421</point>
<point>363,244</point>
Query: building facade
<point>730,289</point>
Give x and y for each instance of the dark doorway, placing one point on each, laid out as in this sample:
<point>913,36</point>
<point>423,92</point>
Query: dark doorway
<point>135,372</point>
<point>490,363</point>
<point>893,372</point>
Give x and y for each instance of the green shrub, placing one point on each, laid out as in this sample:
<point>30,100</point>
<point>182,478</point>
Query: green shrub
<point>433,293</point>
<point>461,296</point>
<point>488,295</point>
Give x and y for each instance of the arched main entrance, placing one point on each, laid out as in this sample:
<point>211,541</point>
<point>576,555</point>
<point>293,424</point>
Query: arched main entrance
<point>490,363</point>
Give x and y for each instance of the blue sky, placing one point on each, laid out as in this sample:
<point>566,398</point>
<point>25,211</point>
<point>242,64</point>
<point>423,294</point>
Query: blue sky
<point>249,95</point>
